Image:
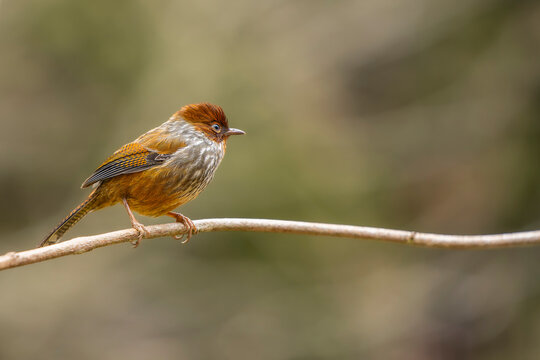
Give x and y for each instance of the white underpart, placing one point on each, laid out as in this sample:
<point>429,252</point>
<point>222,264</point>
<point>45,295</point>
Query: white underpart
<point>192,166</point>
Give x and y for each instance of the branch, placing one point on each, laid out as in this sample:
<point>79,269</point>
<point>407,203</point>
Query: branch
<point>84,244</point>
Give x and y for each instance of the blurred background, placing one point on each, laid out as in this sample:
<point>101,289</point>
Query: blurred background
<point>412,114</point>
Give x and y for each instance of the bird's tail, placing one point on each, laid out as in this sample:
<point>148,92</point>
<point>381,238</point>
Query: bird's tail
<point>77,214</point>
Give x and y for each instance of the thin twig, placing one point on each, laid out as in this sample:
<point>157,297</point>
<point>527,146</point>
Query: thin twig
<point>84,244</point>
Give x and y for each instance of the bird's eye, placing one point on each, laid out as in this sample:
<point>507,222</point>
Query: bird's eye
<point>216,128</point>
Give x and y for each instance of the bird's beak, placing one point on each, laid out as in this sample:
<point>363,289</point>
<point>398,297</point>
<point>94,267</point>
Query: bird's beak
<point>234,132</point>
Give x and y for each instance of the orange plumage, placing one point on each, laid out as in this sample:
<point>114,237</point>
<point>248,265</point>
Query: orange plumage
<point>160,170</point>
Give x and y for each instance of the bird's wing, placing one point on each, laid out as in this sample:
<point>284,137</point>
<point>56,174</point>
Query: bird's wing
<point>139,155</point>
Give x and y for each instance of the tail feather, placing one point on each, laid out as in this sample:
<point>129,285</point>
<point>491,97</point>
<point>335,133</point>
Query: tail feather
<point>77,214</point>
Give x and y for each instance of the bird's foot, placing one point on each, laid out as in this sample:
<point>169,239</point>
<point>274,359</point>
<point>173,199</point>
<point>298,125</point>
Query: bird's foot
<point>190,226</point>
<point>142,233</point>
<point>135,224</point>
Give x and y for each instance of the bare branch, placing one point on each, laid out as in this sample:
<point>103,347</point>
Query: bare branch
<point>84,244</point>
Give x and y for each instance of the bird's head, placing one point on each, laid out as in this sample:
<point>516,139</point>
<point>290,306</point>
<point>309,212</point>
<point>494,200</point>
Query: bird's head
<point>209,119</point>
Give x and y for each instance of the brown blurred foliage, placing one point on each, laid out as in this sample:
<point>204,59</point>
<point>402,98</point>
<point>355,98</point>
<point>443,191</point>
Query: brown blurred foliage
<point>406,114</point>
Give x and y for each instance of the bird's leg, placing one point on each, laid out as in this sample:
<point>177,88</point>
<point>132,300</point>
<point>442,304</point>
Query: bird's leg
<point>136,225</point>
<point>190,226</point>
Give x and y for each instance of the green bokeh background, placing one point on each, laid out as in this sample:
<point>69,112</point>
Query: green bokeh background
<point>413,114</point>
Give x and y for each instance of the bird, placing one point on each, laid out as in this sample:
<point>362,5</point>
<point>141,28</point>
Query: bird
<point>160,170</point>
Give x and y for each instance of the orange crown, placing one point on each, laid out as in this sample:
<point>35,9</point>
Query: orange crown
<point>203,113</point>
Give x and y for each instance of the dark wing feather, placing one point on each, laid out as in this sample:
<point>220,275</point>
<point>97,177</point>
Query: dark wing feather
<point>130,158</point>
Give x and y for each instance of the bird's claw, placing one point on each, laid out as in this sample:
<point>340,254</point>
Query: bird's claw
<point>180,237</point>
<point>142,233</point>
<point>190,226</point>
